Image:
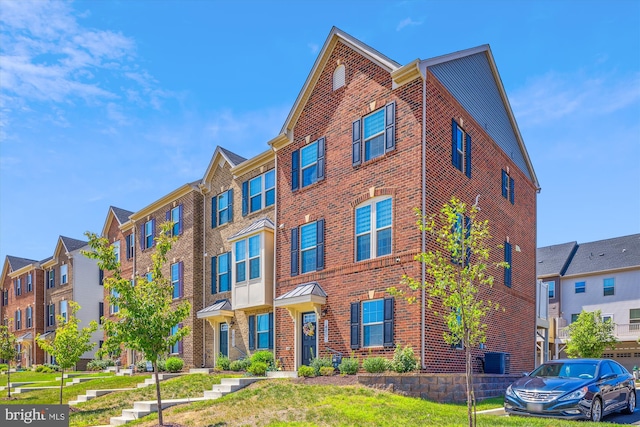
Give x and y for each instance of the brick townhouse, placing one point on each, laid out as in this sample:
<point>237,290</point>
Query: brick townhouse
<point>239,253</point>
<point>366,142</point>
<point>22,302</point>
<point>184,267</point>
<point>71,276</point>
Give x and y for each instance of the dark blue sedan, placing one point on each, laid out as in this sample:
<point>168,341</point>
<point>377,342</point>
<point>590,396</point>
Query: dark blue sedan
<point>573,389</point>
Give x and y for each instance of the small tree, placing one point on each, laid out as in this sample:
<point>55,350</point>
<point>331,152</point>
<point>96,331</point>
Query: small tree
<point>146,313</point>
<point>589,336</point>
<point>8,351</point>
<point>457,272</point>
<point>70,342</point>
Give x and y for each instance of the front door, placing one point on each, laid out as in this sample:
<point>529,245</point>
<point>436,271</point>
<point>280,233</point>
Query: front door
<point>224,339</point>
<point>309,332</point>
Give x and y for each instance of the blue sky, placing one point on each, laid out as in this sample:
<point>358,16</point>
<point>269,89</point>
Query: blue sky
<point>120,102</point>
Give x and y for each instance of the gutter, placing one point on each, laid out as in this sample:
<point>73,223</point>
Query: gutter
<point>423,243</point>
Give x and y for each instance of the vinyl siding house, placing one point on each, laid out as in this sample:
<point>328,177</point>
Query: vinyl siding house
<point>366,142</point>
<point>602,275</point>
<point>71,276</point>
<point>239,249</point>
<point>22,297</point>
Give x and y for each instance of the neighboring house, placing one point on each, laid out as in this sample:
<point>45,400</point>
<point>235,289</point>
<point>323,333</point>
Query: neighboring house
<point>239,250</point>
<point>119,231</point>
<point>21,300</point>
<point>366,142</point>
<point>184,267</point>
<point>602,275</point>
<point>71,276</point>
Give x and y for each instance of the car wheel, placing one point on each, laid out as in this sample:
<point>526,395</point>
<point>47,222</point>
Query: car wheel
<point>631,403</point>
<point>596,410</point>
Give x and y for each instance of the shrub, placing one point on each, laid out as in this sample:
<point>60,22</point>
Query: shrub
<point>162,367</point>
<point>141,366</point>
<point>263,356</point>
<point>223,362</point>
<point>3,367</point>
<point>174,364</point>
<point>257,368</point>
<point>404,360</point>
<point>52,367</point>
<point>327,371</point>
<point>320,362</point>
<point>349,366</point>
<point>240,364</point>
<point>375,365</point>
<point>99,364</point>
<point>306,371</point>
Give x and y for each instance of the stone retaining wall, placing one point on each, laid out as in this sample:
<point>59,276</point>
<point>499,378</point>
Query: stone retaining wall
<point>443,388</point>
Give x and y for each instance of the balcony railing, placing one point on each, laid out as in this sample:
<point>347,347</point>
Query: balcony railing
<point>622,331</point>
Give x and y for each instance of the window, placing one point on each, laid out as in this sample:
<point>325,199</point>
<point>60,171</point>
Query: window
<point>607,318</point>
<point>338,77</point>
<point>51,283</point>
<point>373,229</point>
<point>460,148</point>
<point>5,298</point>
<point>574,317</point>
<point>307,248</point>
<point>222,208</point>
<point>261,331</point>
<point>63,310</point>
<point>373,135</point>
<point>634,316</point>
<point>221,273</point>
<point>308,164</point>
<point>552,289</point>
<point>177,347</point>
<point>149,277</point>
<point>64,269</point>
<point>507,259</point>
<point>176,280</point>
<point>17,285</point>
<point>29,317</point>
<point>148,233</point>
<point>18,320</point>
<point>175,216</point>
<point>581,287</point>
<point>609,286</point>
<point>51,321</point>
<point>259,192</point>
<point>376,324</point>
<point>100,312</point>
<point>113,307</point>
<point>130,245</point>
<point>507,187</point>
<point>29,282</point>
<point>247,249</point>
<point>116,250</point>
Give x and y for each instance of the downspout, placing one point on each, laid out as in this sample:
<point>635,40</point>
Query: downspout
<point>423,247</point>
<point>204,271</point>
<point>275,245</point>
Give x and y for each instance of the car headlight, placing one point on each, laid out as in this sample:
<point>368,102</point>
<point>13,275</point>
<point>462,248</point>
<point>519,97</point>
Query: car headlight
<point>577,394</point>
<point>510,392</point>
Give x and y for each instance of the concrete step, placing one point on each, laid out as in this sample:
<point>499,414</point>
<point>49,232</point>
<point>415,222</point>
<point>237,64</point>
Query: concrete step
<point>282,374</point>
<point>123,372</point>
<point>206,371</point>
<point>121,420</point>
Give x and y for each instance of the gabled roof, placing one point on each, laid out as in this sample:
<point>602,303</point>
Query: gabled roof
<point>16,263</point>
<point>72,244</point>
<point>222,304</point>
<point>234,158</point>
<point>606,255</point>
<point>258,225</point>
<point>164,200</point>
<point>305,289</point>
<point>554,260</point>
<point>220,154</point>
<point>120,215</point>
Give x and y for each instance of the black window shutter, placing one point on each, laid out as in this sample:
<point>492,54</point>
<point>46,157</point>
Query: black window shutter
<point>390,127</point>
<point>142,239</point>
<point>180,279</point>
<point>504,183</point>
<point>101,277</point>
<point>167,215</point>
<point>214,212</point>
<point>294,251</point>
<point>271,331</point>
<point>180,349</point>
<point>388,322</point>
<point>507,258</point>
<point>214,274</point>
<point>320,244</point>
<point>467,234</point>
<point>153,231</point>
<point>245,198</point>
<point>467,155</point>
<point>321,159</point>
<point>355,325</point>
<point>100,312</point>
<point>454,147</point>
<point>295,170</point>
<point>356,143</point>
<point>252,332</point>
<point>180,219</point>
<point>127,241</point>
<point>230,209</point>
<point>511,188</point>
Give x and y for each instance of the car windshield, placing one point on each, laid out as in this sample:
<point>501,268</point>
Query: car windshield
<point>566,370</point>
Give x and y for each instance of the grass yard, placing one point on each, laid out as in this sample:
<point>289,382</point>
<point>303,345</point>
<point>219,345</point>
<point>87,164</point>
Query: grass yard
<point>26,376</point>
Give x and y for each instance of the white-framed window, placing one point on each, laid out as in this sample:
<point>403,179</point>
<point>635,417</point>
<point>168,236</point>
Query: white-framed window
<point>63,309</point>
<point>373,132</point>
<point>247,252</point>
<point>130,239</point>
<point>607,318</point>
<point>18,324</point>
<point>224,275</point>
<point>29,317</point>
<point>309,163</point>
<point>148,234</point>
<point>51,315</point>
<point>240,248</point>
<point>113,308</point>
<point>175,348</point>
<point>224,207</point>
<point>51,281</point>
<point>116,250</point>
<point>29,282</point>
<point>176,218</point>
<point>17,283</point>
<point>176,279</point>
<point>552,289</point>
<point>609,286</point>
<point>580,287</point>
<point>373,323</point>
<point>373,228</point>
<point>308,247</point>
<point>262,191</point>
<point>64,271</point>
<point>262,330</point>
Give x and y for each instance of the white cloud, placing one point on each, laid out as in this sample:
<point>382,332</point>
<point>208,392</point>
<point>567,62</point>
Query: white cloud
<point>407,22</point>
<point>313,47</point>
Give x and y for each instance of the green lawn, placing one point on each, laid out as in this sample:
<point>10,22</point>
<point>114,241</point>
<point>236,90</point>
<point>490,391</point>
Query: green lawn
<point>27,376</point>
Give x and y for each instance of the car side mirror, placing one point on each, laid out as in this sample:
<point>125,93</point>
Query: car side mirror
<point>607,376</point>
<point>525,374</point>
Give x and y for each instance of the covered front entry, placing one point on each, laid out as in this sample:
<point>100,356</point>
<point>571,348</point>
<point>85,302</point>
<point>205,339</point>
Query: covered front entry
<point>304,306</point>
<point>309,338</point>
<point>219,316</point>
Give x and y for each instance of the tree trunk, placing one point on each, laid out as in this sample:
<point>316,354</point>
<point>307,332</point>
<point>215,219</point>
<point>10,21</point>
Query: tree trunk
<point>61,384</point>
<point>471,398</point>
<point>159,400</point>
<point>8,379</point>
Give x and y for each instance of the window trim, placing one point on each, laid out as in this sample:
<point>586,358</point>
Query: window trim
<point>177,282</point>
<point>612,286</point>
<point>461,160</point>
<point>116,249</point>
<point>550,284</point>
<point>580,287</point>
<point>148,232</point>
<point>372,324</point>
<point>29,282</point>
<point>219,274</point>
<point>373,229</point>
<point>130,242</point>
<point>18,324</point>
<point>508,187</point>
<point>296,244</point>
<point>357,320</point>
<point>64,313</point>
<point>29,316</point>
<point>357,135</point>
<point>176,230</point>
<point>17,284</point>
<point>246,260</point>
<point>262,332</point>
<point>247,197</point>
<point>634,320</point>
<point>64,276</point>
<point>296,165</point>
